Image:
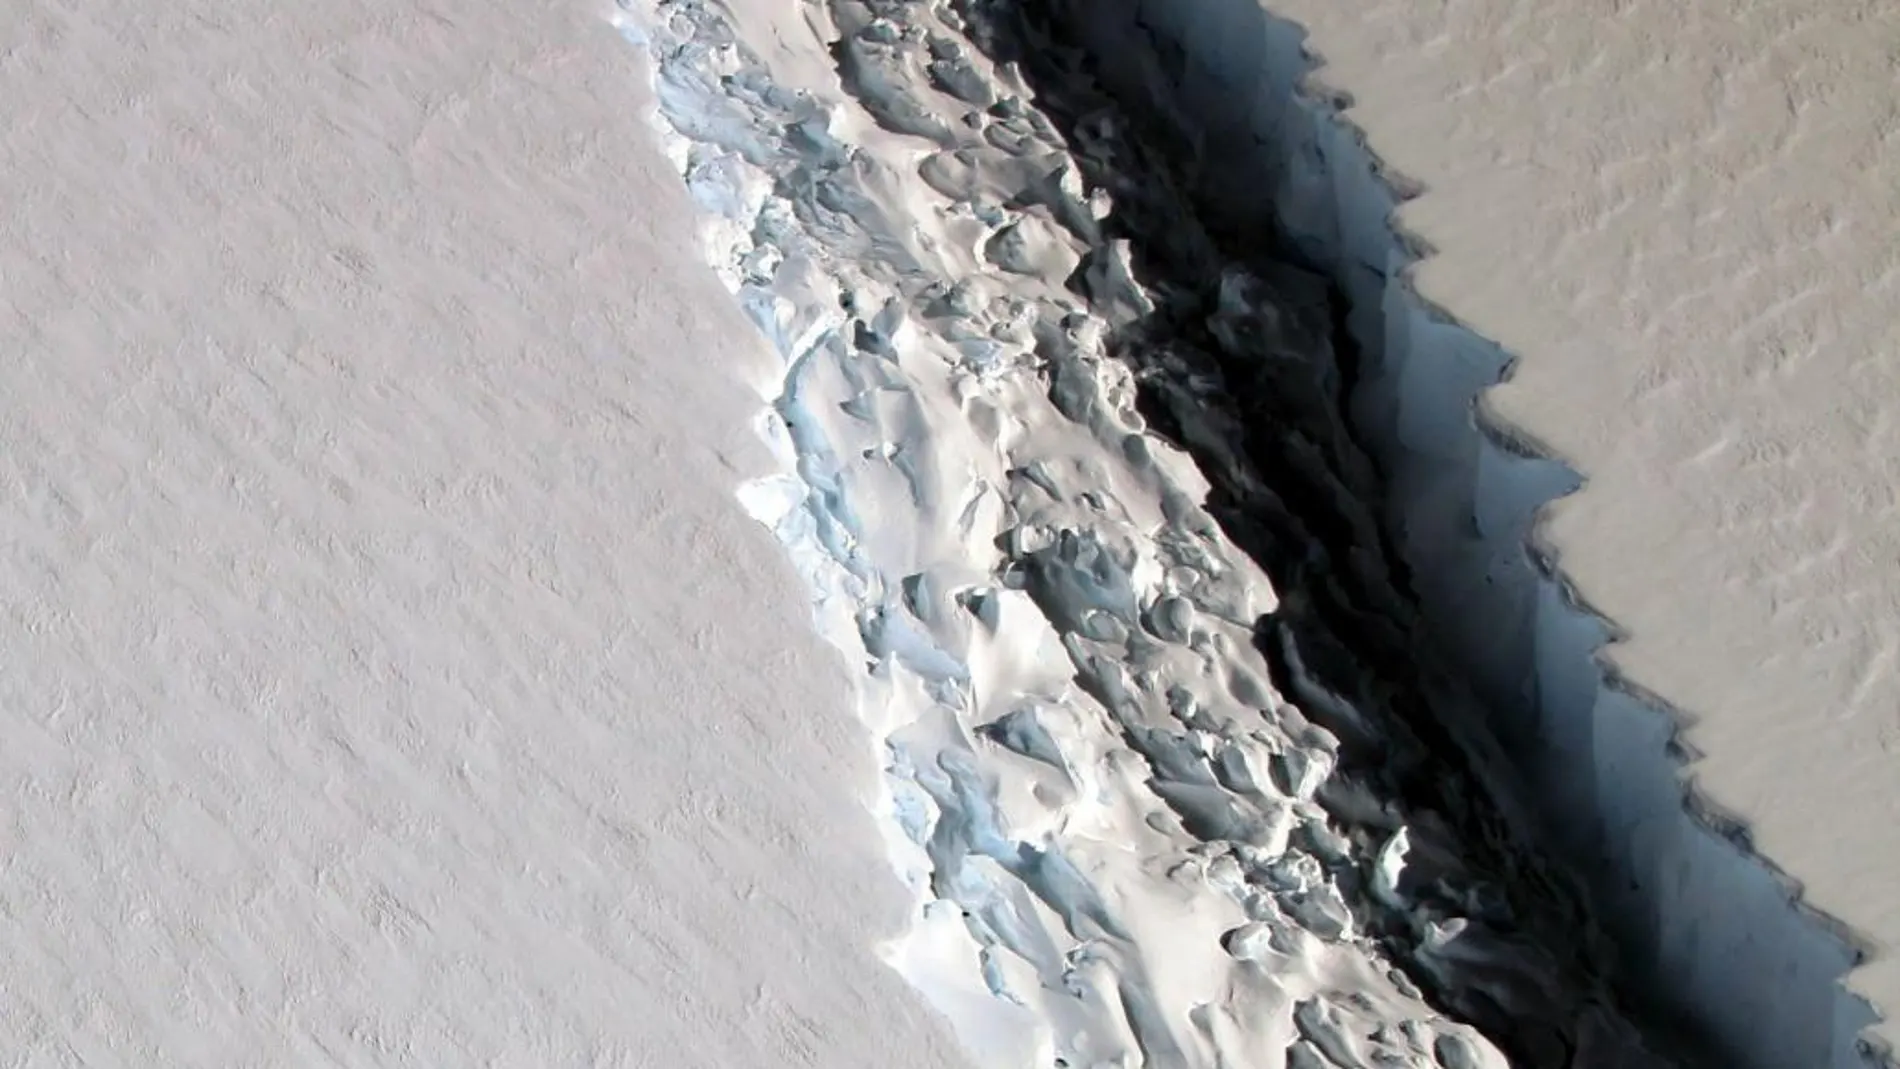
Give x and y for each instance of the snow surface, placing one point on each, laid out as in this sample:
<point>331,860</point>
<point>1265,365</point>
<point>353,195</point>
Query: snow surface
<point>1680,219</point>
<point>390,677</point>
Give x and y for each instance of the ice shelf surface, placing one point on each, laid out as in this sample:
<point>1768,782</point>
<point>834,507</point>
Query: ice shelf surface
<point>1170,771</point>
<point>389,677</point>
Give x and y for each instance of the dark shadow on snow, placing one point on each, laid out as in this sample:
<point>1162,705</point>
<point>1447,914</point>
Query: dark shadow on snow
<point>1244,363</point>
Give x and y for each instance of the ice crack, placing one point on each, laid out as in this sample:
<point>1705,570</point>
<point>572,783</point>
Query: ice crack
<point>1155,809</point>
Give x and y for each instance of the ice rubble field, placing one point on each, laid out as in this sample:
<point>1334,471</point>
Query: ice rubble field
<point>391,678</point>
<point>1125,844</point>
<point>900,217</point>
<point>1057,640</point>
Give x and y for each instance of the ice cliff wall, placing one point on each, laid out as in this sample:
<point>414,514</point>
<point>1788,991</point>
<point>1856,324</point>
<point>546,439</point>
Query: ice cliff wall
<point>1708,930</point>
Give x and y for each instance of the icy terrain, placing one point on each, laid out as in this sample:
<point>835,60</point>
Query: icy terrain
<point>1155,809</point>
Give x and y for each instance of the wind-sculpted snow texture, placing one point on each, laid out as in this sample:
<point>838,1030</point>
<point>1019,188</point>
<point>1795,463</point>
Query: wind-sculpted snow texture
<point>1155,809</point>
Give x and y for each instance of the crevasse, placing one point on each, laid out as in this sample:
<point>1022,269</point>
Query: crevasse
<point>1162,771</point>
<point>1708,931</point>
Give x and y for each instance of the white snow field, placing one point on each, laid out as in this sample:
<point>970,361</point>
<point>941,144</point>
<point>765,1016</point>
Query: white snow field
<point>1679,222</point>
<point>387,674</point>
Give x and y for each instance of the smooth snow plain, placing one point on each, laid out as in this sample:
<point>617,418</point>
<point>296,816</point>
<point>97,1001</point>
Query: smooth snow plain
<point>390,677</point>
<point>1125,846</point>
<point>1669,230</point>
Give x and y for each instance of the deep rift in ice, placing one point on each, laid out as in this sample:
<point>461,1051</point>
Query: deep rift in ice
<point>1154,812</point>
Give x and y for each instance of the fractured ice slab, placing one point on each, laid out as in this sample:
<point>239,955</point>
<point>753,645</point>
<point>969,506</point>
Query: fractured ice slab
<point>1153,812</point>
